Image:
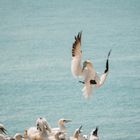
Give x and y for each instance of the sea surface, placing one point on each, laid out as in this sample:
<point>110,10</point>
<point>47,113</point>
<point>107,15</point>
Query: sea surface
<point>35,58</point>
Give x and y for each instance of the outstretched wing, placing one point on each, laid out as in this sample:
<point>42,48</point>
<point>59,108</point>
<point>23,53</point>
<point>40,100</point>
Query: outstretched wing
<point>76,56</point>
<point>104,75</point>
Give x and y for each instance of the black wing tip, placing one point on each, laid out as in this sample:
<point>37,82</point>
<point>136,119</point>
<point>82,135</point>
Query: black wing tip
<point>77,40</point>
<point>109,53</point>
<point>79,130</point>
<point>78,37</point>
<point>95,132</point>
<point>4,130</point>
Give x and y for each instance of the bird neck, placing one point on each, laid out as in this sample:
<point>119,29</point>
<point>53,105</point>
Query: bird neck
<point>62,127</point>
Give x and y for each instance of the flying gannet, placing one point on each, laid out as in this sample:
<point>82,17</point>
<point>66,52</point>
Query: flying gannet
<point>59,135</point>
<point>90,77</point>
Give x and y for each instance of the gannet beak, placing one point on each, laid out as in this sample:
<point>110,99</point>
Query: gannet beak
<point>67,121</point>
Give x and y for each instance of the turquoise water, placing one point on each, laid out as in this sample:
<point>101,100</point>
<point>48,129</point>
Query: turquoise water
<point>35,56</point>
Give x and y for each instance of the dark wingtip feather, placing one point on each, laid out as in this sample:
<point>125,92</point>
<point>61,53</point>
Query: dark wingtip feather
<point>95,132</point>
<point>109,53</point>
<point>77,40</point>
<point>4,130</point>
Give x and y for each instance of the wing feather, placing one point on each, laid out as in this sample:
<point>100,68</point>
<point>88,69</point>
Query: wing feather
<point>76,56</point>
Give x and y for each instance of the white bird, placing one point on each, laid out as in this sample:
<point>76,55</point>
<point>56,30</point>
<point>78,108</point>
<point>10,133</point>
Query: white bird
<point>90,77</point>
<point>61,125</point>
<point>94,134</point>
<point>41,131</point>
<point>77,134</point>
<point>17,136</point>
<point>59,135</point>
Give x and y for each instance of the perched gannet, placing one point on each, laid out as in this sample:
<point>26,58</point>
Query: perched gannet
<point>17,136</point>
<point>94,135</point>
<point>59,135</point>
<point>77,134</point>
<point>90,77</point>
<point>2,129</point>
<point>26,134</point>
<point>41,131</point>
<point>61,124</point>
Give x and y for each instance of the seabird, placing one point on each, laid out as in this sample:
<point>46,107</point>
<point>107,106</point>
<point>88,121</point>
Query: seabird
<point>90,77</point>
<point>94,134</point>
<point>61,124</point>
<point>77,134</point>
<point>59,135</point>
<point>41,131</point>
<point>17,136</point>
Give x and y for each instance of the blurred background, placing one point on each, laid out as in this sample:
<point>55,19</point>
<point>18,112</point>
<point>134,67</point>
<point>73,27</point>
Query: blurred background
<point>36,38</point>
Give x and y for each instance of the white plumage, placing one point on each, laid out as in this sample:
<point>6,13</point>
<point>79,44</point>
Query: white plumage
<point>41,131</point>
<point>61,126</point>
<point>90,77</point>
<point>77,135</point>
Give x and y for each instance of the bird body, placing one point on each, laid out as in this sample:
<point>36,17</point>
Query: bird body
<point>90,77</point>
<point>77,134</point>
<point>41,131</point>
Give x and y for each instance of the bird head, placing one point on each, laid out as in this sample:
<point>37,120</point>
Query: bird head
<point>18,136</point>
<point>61,122</point>
<point>85,63</point>
<point>42,125</point>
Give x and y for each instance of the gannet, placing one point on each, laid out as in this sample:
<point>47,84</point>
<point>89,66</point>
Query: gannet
<point>59,135</point>
<point>77,134</point>
<point>94,134</point>
<point>25,134</point>
<point>41,131</point>
<point>90,77</point>
<point>61,124</point>
<point>17,136</point>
